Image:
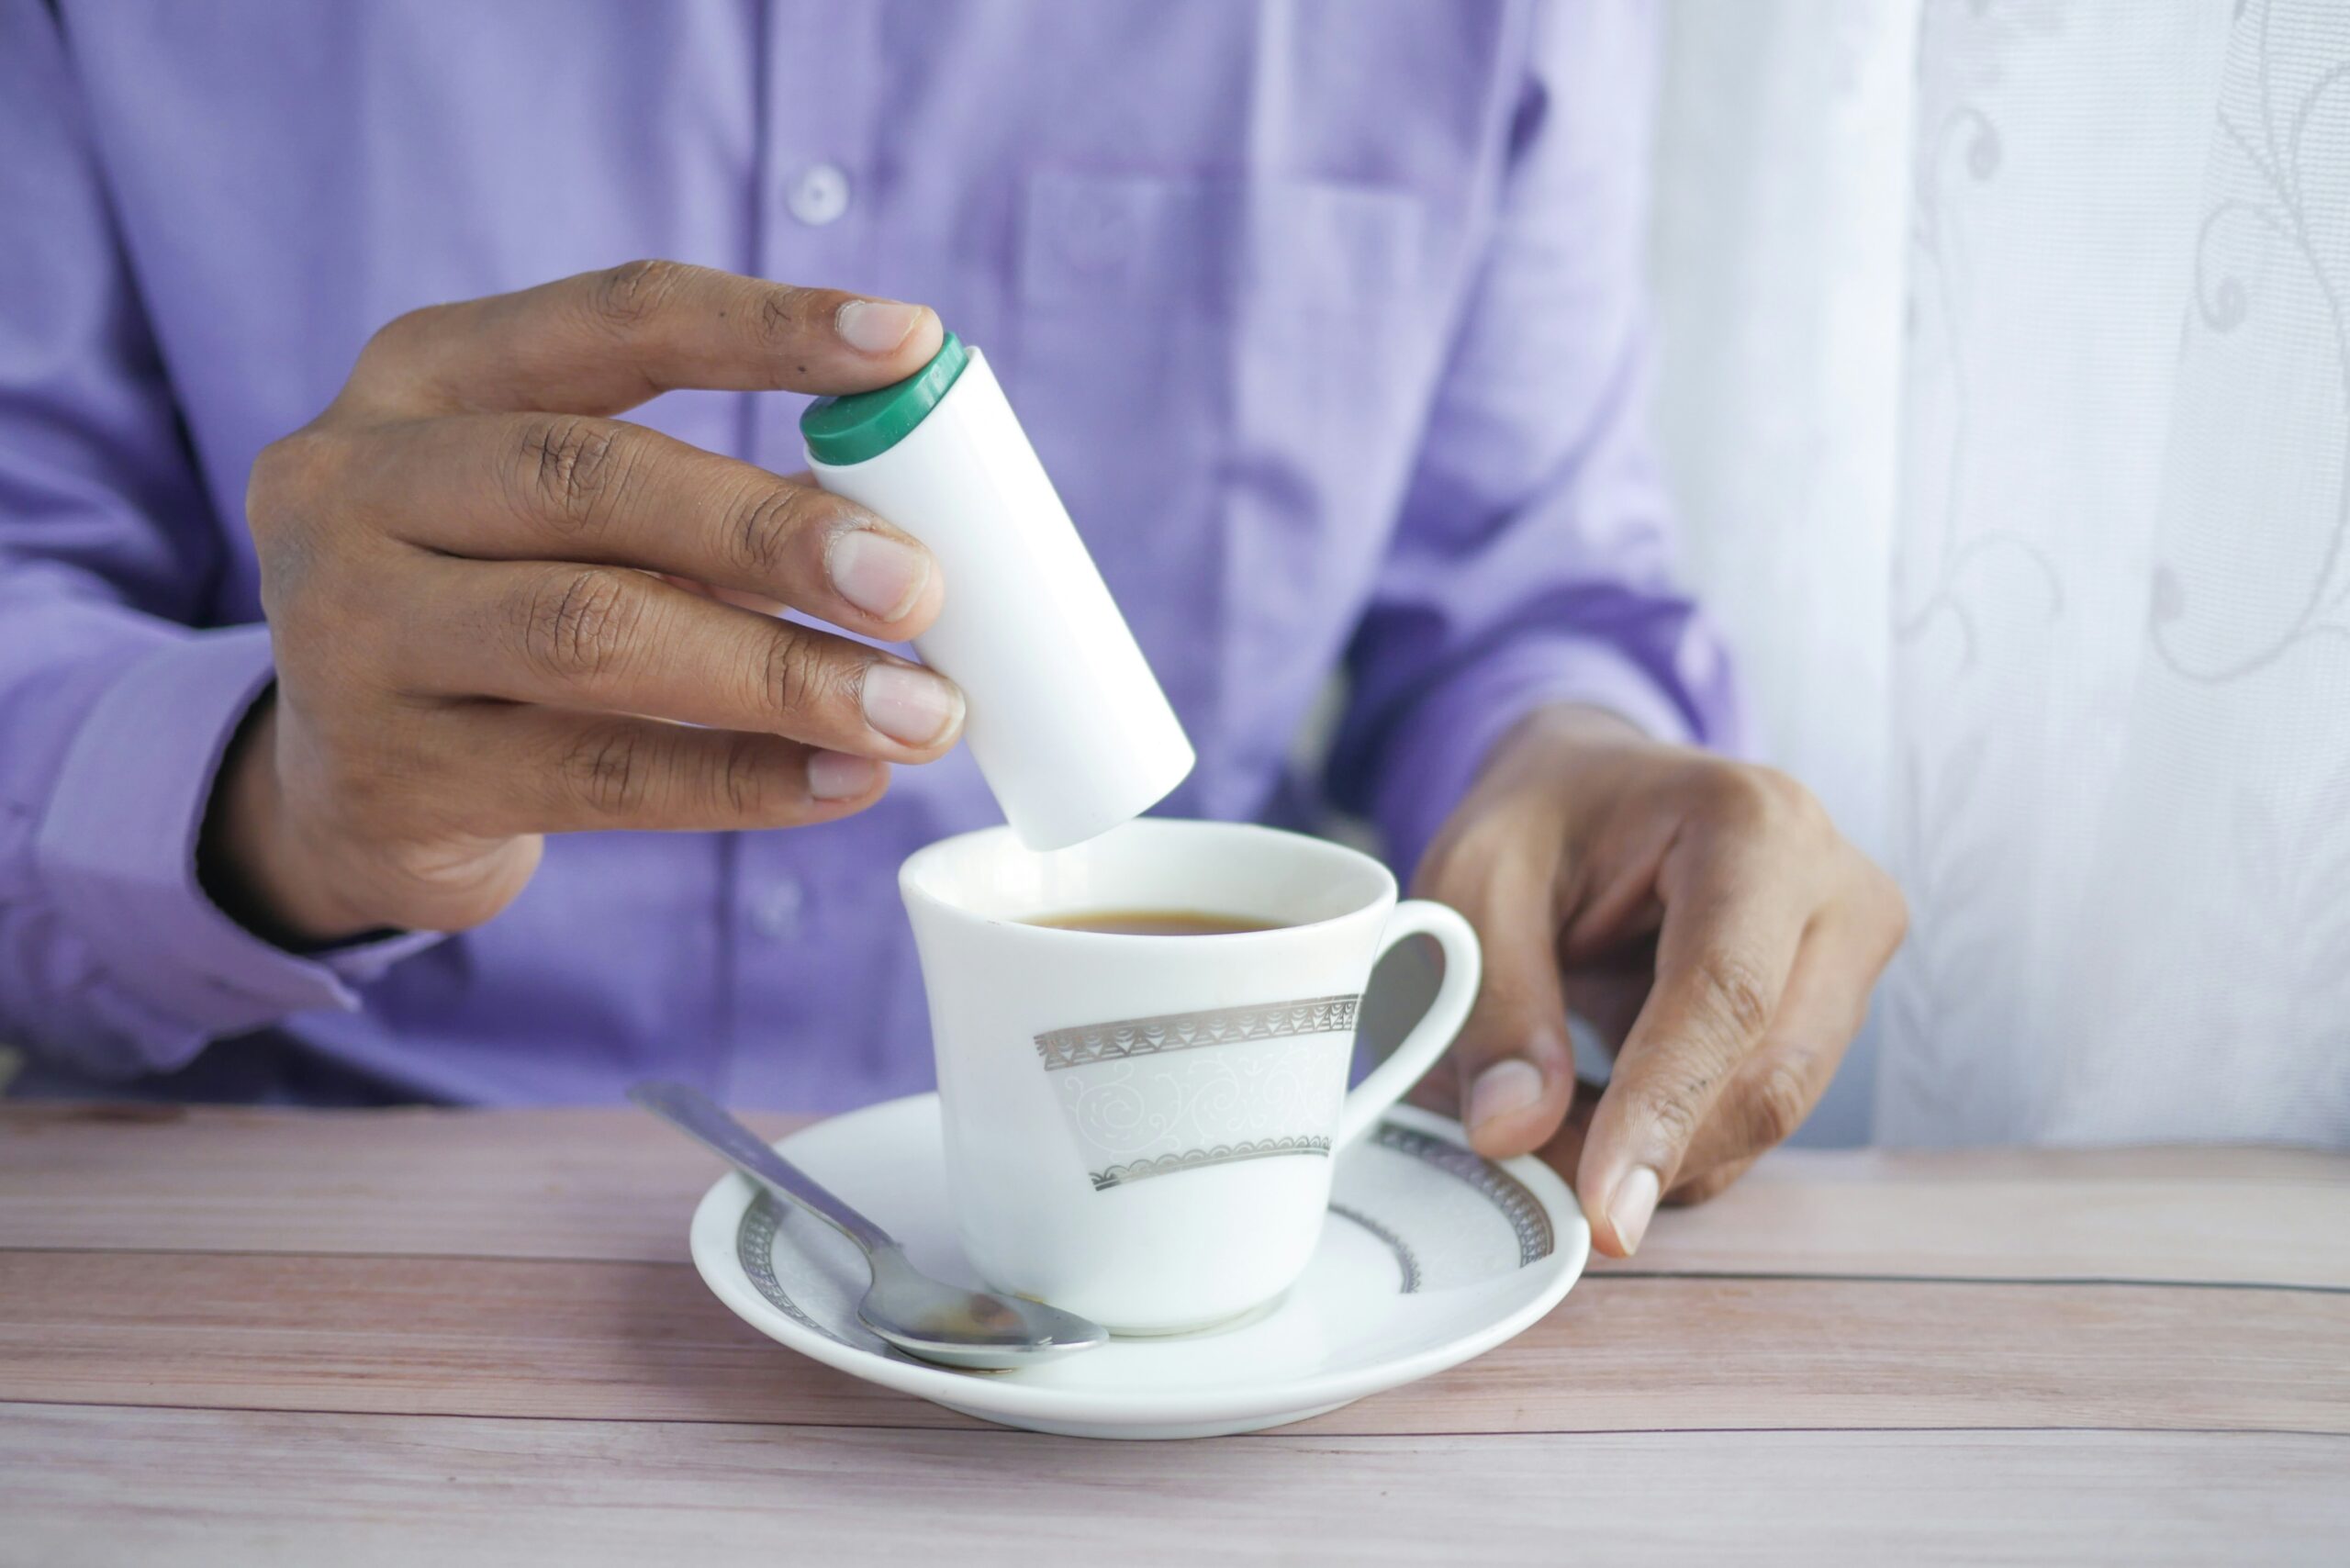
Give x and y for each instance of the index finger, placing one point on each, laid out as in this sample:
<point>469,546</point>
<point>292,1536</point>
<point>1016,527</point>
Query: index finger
<point>604,342</point>
<point>1734,917</point>
<point>569,487</point>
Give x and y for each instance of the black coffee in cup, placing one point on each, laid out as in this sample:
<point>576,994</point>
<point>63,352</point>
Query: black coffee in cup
<point>1154,922</point>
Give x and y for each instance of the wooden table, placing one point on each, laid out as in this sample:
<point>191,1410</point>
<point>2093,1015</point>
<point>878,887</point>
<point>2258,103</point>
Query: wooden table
<point>454,1337</point>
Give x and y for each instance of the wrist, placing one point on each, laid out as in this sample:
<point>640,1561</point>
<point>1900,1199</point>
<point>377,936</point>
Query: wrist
<point>251,860</point>
<point>1579,721</point>
<point>1557,731</point>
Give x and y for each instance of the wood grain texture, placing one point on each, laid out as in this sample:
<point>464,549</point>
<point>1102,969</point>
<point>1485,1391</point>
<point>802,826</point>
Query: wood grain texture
<point>461,1336</point>
<point>485,1336</point>
<point>542,1183</point>
<point>2274,1216</point>
<point>612,1184</point>
<point>198,1488</point>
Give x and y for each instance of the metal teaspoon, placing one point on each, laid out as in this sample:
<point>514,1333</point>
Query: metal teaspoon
<point>922,1317</point>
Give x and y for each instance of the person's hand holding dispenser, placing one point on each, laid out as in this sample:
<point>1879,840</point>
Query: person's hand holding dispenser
<point>482,592</point>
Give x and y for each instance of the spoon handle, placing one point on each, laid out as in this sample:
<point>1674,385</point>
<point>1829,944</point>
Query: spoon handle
<point>695,1115</point>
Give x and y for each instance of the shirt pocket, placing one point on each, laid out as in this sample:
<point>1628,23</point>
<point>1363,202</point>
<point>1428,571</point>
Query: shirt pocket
<point>1224,375</point>
<point>1216,242</point>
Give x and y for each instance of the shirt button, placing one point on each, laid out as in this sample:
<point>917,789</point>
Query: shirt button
<point>775,915</point>
<point>819,195</point>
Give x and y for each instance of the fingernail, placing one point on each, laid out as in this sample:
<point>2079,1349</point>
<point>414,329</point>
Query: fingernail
<point>1505,1087</point>
<point>836,776</point>
<point>876,326</point>
<point>879,575</point>
<point>1634,1203</point>
<point>911,706</point>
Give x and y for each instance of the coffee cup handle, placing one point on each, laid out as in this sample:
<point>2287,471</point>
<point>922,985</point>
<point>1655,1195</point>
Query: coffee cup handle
<point>1433,1034</point>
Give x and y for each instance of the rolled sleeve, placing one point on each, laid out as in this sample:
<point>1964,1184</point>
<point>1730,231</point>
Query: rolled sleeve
<point>1436,752</point>
<point>115,859</point>
<point>1533,559</point>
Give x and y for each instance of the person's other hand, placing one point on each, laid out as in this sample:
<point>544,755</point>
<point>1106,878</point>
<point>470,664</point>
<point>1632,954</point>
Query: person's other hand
<point>499,613</point>
<point>1703,914</point>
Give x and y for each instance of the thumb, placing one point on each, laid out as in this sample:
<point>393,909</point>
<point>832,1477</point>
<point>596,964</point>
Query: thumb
<point>1516,1066</point>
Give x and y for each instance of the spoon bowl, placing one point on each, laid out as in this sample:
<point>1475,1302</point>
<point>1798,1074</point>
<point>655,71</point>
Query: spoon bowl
<point>944,1323</point>
<point>924,1317</point>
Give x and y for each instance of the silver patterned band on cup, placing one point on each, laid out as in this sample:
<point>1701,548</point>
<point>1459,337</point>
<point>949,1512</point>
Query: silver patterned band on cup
<point>1190,1031</point>
<point>1221,1154</point>
<point>1272,1096</point>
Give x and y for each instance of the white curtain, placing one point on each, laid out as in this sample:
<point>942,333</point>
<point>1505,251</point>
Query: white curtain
<point>2007,396</point>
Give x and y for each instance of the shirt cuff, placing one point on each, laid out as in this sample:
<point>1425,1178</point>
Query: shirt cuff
<point>116,853</point>
<point>1436,752</point>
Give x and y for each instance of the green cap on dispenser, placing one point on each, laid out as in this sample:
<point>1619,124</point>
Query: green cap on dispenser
<point>842,431</point>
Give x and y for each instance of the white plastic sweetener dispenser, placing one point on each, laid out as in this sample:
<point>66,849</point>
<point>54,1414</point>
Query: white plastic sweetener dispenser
<point>1064,717</point>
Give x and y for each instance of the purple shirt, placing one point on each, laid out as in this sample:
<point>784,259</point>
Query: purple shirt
<point>1325,318</point>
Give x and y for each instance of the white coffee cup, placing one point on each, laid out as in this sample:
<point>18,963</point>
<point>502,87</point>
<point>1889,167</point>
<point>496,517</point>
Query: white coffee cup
<point>1140,1128</point>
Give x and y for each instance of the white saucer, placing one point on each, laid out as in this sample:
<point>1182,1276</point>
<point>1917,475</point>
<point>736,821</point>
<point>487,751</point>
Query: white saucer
<point>1431,1255</point>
